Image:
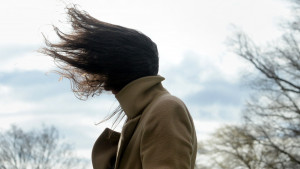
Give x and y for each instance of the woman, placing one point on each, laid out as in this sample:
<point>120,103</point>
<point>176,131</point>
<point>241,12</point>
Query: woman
<point>98,56</point>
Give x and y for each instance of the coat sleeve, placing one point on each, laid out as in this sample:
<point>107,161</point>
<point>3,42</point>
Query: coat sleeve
<point>167,139</point>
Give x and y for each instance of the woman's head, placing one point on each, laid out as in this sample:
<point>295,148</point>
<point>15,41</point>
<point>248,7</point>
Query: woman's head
<point>99,56</point>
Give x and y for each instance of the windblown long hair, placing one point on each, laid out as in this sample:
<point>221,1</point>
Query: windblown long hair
<point>98,56</point>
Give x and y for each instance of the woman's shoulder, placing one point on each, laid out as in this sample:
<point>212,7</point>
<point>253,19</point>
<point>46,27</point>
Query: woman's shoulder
<point>167,112</point>
<point>168,101</point>
<point>166,106</point>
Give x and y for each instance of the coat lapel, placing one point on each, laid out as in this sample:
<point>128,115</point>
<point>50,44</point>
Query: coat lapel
<point>105,149</point>
<point>126,135</point>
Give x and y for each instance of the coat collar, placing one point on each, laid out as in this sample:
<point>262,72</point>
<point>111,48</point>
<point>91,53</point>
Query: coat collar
<point>135,96</point>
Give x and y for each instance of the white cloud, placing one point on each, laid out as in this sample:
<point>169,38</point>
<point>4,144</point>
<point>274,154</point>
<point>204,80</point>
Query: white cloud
<point>5,90</point>
<point>8,120</point>
<point>204,128</point>
<point>10,104</point>
<point>15,106</point>
<point>27,62</point>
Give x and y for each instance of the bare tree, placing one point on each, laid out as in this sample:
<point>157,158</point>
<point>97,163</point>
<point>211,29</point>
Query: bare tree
<point>270,136</point>
<point>273,112</point>
<point>237,147</point>
<point>36,149</point>
<point>226,149</point>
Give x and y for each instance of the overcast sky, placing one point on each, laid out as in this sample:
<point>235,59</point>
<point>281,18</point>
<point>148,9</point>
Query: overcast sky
<point>191,37</point>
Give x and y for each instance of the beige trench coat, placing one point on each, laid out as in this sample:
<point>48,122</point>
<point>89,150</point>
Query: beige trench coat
<point>159,132</point>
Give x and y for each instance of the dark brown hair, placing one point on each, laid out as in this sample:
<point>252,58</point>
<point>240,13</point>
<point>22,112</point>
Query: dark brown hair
<point>99,56</point>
